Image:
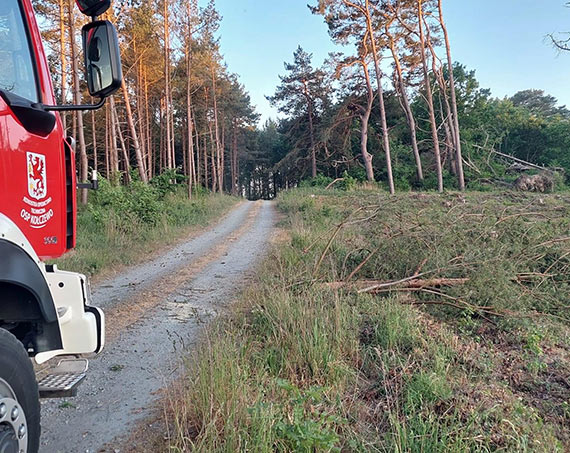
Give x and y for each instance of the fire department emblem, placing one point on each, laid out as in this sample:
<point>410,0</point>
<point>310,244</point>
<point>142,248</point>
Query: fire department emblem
<point>37,177</point>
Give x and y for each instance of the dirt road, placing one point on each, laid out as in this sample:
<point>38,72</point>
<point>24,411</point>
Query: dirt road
<point>154,311</point>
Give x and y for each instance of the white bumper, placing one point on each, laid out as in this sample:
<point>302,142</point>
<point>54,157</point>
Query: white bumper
<point>82,326</point>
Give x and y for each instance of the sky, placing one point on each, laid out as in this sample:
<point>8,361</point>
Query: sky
<point>504,41</point>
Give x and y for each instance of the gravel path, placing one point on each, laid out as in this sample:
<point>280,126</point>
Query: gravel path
<point>122,383</point>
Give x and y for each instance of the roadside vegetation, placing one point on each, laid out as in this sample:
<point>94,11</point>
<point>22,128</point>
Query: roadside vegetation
<point>123,224</point>
<point>415,323</point>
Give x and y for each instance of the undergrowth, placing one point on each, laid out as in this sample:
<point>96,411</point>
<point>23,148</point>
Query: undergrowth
<point>329,353</point>
<point>122,224</point>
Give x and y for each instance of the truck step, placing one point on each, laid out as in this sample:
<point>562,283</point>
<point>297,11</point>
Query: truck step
<point>62,380</point>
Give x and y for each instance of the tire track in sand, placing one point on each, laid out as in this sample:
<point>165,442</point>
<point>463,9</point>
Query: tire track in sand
<point>129,311</point>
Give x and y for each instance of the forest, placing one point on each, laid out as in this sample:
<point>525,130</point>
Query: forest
<point>385,108</point>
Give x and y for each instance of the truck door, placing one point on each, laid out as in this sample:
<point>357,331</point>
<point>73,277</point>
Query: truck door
<point>34,185</point>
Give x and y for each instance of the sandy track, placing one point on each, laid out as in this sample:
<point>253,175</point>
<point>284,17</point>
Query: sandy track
<point>155,311</point>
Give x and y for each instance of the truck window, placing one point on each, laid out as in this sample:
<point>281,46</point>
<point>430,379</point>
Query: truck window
<point>17,73</point>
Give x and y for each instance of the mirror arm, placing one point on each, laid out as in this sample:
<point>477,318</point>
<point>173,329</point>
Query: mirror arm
<point>74,108</point>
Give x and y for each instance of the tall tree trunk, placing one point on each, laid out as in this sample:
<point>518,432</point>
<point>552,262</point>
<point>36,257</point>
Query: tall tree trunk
<point>234,159</point>
<point>139,114</point>
<point>458,151</point>
<point>134,135</point>
<point>236,166</point>
<point>84,167</point>
<point>217,170</point>
<point>172,134</point>
<point>450,145</point>
<point>232,168</point>
<point>365,119</point>
<point>198,178</point>
<point>63,61</point>
<point>222,157</point>
<point>161,141</point>
<point>184,153</point>
<point>444,107</point>
<point>169,161</point>
<point>191,162</point>
<point>196,153</point>
<point>429,97</point>
<point>148,127</point>
<point>205,160</point>
<point>107,144</point>
<point>114,152</point>
<point>127,164</point>
<point>310,112</point>
<point>190,125</point>
<point>213,146</point>
<point>406,106</point>
<point>380,89</point>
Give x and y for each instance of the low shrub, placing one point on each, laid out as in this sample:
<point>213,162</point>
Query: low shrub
<point>317,181</point>
<point>120,224</point>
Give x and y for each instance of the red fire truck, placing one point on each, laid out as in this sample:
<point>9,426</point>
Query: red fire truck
<point>48,328</point>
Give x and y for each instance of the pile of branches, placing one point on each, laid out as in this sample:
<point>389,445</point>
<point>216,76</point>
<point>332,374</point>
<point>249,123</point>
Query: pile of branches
<point>524,239</point>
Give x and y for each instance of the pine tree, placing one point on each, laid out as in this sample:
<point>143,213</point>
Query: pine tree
<point>302,92</point>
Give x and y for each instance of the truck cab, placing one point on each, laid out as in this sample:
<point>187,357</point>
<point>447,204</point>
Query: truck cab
<point>45,313</point>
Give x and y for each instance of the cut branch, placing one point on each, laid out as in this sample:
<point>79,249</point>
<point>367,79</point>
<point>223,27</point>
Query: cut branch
<point>372,286</point>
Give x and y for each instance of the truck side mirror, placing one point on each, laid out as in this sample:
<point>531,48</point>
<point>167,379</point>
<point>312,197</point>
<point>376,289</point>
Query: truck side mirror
<point>102,58</point>
<point>93,8</point>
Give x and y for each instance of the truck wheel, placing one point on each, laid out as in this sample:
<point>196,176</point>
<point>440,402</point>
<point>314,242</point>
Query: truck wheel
<point>19,398</point>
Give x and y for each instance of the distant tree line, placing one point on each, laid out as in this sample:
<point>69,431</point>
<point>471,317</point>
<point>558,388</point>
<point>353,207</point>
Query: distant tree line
<point>384,108</point>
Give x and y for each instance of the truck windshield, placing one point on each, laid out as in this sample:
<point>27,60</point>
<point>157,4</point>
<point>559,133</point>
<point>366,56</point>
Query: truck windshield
<point>16,67</point>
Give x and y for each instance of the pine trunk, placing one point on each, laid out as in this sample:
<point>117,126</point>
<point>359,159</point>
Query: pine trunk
<point>365,119</point>
<point>168,140</point>
<point>126,160</point>
<point>380,89</point>
<point>114,152</point>
<point>216,169</point>
<point>458,151</point>
<point>429,96</point>
<point>84,164</point>
<point>107,144</point>
<point>190,125</point>
<point>234,160</point>
<point>310,112</point>
<point>222,157</point>
<point>407,109</point>
<point>63,61</point>
<point>134,135</point>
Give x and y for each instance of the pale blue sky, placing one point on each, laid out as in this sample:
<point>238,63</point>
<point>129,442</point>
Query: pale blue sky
<point>503,40</point>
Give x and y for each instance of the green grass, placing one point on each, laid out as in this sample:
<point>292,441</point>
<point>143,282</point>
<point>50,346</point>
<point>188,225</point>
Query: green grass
<point>476,366</point>
<point>123,225</point>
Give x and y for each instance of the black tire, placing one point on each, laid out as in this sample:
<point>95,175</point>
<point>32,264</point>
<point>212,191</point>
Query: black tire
<point>16,369</point>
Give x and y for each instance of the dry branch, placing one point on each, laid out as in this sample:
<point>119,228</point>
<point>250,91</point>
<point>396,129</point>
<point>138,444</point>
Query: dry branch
<point>553,241</point>
<point>362,264</point>
<point>371,286</point>
<point>520,214</point>
<point>333,183</point>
